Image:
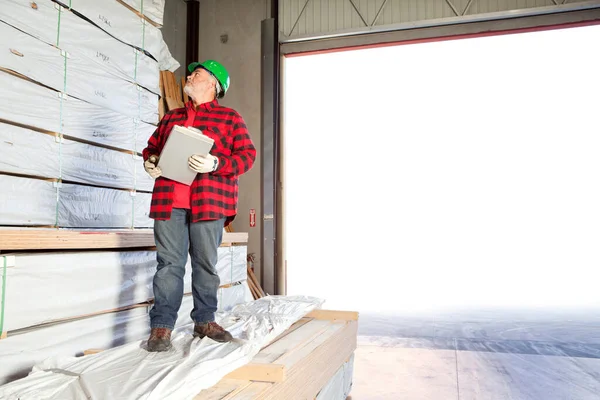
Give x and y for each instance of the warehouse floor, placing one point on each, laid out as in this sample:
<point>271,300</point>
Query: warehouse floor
<point>527,355</point>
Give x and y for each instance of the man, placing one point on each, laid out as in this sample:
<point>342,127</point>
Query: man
<point>191,218</point>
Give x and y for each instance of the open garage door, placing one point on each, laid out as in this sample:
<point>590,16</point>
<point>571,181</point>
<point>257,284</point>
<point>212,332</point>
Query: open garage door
<point>457,173</point>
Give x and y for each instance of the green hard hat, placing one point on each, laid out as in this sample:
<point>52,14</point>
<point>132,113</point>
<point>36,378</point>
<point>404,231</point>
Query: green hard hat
<point>217,70</point>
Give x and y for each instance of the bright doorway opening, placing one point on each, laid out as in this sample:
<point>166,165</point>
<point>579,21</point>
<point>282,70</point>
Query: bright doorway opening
<point>459,173</point>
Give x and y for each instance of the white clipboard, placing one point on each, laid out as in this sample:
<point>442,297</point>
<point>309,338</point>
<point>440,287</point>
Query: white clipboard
<point>180,145</point>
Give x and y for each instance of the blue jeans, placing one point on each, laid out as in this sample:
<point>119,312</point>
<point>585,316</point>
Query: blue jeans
<point>174,238</point>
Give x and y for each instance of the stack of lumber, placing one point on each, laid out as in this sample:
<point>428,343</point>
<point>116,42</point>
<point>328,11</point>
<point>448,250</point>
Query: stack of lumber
<point>80,98</point>
<point>311,360</point>
<point>81,92</point>
<point>92,299</point>
<point>303,350</point>
<point>172,93</point>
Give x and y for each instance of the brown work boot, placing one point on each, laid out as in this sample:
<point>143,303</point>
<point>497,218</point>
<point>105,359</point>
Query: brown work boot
<point>213,331</point>
<point>160,339</point>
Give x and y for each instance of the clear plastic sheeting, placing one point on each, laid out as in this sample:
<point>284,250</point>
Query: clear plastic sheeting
<point>166,62</point>
<point>339,386</point>
<point>27,152</point>
<point>20,352</point>
<point>45,287</point>
<point>27,201</point>
<point>91,207</point>
<point>75,75</point>
<point>152,9</point>
<point>20,100</point>
<point>58,26</point>
<point>232,261</point>
<point>193,364</point>
<point>229,296</point>
<point>33,202</point>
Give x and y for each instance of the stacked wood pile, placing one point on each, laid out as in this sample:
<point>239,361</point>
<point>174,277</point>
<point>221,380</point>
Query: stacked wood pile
<point>172,94</point>
<point>82,88</point>
<point>298,364</point>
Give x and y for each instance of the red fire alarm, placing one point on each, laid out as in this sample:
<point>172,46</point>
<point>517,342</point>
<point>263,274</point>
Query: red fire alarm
<point>252,217</point>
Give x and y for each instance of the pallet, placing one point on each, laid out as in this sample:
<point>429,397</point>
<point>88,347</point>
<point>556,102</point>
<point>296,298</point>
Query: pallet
<point>297,364</point>
<point>46,239</point>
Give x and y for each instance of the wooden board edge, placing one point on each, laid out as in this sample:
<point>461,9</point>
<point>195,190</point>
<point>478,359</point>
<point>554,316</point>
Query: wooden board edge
<point>91,351</point>
<point>133,10</point>
<point>340,346</point>
<point>333,315</point>
<point>21,238</point>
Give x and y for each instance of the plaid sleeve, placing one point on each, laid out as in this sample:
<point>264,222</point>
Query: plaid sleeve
<point>243,155</point>
<point>157,140</point>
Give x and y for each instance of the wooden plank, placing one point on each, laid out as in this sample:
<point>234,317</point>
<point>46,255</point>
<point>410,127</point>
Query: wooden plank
<point>172,103</point>
<point>175,84</point>
<point>173,94</point>
<point>91,351</point>
<point>133,10</point>
<point>257,287</point>
<point>309,374</point>
<point>290,358</point>
<point>235,237</point>
<point>252,288</point>
<point>185,96</point>
<point>311,351</point>
<point>291,341</point>
<point>161,100</point>
<point>295,325</point>
<point>333,315</point>
<point>42,239</point>
<point>259,372</point>
<point>45,239</point>
<point>161,108</point>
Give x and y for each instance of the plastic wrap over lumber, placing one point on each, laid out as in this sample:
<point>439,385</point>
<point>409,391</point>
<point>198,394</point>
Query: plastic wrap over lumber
<point>117,20</point>
<point>19,353</point>
<point>27,152</point>
<point>60,27</point>
<point>35,202</point>
<point>75,75</point>
<point>191,366</point>
<point>35,106</point>
<point>46,287</point>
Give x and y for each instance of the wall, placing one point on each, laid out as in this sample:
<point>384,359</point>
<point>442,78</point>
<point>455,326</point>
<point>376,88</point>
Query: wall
<point>241,22</point>
<point>301,18</point>
<point>174,30</point>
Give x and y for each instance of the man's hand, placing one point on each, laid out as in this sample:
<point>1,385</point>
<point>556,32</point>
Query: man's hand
<point>151,168</point>
<point>202,164</point>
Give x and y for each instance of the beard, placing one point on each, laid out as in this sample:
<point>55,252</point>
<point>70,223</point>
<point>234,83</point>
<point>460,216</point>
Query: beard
<point>188,90</point>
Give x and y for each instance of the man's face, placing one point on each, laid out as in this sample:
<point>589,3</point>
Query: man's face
<point>199,83</point>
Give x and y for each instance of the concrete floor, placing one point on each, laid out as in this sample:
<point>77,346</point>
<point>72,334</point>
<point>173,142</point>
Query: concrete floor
<point>483,355</point>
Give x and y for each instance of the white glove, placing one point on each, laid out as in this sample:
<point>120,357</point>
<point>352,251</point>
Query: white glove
<point>203,164</point>
<point>151,168</point>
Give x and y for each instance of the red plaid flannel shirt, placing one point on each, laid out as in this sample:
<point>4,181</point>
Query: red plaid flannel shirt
<point>214,195</point>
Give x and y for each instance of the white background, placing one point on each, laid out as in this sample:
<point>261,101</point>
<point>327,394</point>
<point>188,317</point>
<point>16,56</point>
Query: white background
<point>454,173</point>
